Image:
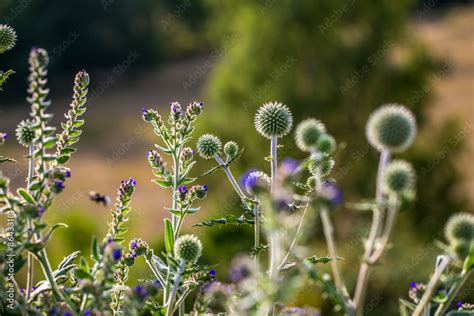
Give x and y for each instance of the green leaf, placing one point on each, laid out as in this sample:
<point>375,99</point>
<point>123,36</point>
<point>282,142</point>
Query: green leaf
<point>187,180</point>
<point>228,219</point>
<point>163,183</point>
<point>169,236</point>
<point>407,304</point>
<point>95,249</point>
<point>83,264</point>
<point>469,262</point>
<point>63,159</point>
<point>81,274</point>
<point>28,198</point>
<point>315,259</point>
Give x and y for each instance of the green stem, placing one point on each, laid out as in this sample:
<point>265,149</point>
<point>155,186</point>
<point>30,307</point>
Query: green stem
<point>274,236</point>
<point>30,258</point>
<point>453,292</point>
<point>256,226</point>
<point>231,178</point>
<point>177,279</point>
<point>153,269</point>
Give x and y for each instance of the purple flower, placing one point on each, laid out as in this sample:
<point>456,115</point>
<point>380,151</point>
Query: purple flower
<point>204,187</point>
<point>331,193</point>
<point>53,311</point>
<point>58,186</point>
<point>117,254</point>
<point>67,313</point>
<point>87,312</point>
<point>246,174</point>
<point>3,136</point>
<point>412,285</point>
<point>135,255</point>
<point>212,272</point>
<point>140,291</point>
<point>183,189</point>
<point>289,165</point>
<point>459,304</point>
<point>67,174</point>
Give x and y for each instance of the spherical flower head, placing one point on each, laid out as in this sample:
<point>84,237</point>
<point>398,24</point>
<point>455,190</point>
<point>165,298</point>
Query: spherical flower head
<point>39,57</point>
<point>273,119</point>
<point>188,248</point>
<point>231,149</point>
<point>7,38</point>
<point>461,248</point>
<point>391,127</point>
<point>399,177</point>
<point>460,226</point>
<point>257,181</point>
<point>208,146</point>
<point>326,144</point>
<point>308,132</point>
<point>320,168</point>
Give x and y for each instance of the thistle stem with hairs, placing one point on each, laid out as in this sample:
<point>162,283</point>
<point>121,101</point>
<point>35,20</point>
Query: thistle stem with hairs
<point>364,272</point>
<point>177,279</point>
<point>329,235</point>
<point>441,266</point>
<point>30,258</point>
<point>231,178</point>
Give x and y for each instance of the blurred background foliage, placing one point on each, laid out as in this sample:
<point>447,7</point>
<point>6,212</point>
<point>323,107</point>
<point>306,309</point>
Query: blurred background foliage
<point>333,60</point>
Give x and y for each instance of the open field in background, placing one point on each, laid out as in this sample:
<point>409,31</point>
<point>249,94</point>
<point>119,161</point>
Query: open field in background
<point>115,140</point>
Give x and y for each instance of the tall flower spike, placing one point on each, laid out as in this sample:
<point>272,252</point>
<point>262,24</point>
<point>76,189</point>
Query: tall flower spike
<point>391,127</point>
<point>273,119</point>
<point>208,145</point>
<point>7,38</point>
<point>308,132</point>
<point>71,129</point>
<point>122,208</point>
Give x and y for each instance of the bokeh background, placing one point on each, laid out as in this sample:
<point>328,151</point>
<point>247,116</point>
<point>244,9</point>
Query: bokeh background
<point>333,60</point>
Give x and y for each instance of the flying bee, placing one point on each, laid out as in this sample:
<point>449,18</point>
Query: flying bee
<point>99,198</point>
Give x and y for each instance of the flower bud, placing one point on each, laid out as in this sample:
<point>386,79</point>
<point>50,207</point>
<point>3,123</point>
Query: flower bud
<point>199,191</point>
<point>308,132</point>
<point>7,38</point>
<point>231,149</point>
<point>139,246</point>
<point>399,177</point>
<point>188,248</point>
<point>326,144</point>
<point>208,145</point>
<point>25,133</point>
<point>460,226</point>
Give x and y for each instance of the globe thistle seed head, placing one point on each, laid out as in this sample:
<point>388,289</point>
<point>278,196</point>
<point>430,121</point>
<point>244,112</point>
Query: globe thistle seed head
<point>208,145</point>
<point>188,248</point>
<point>460,226</point>
<point>7,38</point>
<point>399,177</point>
<point>308,132</point>
<point>25,132</point>
<point>391,127</point>
<point>231,149</point>
<point>273,119</point>
<point>320,168</point>
<point>326,144</point>
<point>257,181</point>
<point>461,248</point>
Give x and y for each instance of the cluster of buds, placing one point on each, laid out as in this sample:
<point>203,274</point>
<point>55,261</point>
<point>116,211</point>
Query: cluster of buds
<point>139,247</point>
<point>186,157</point>
<point>186,196</point>
<point>157,164</point>
<point>57,177</point>
<point>154,118</point>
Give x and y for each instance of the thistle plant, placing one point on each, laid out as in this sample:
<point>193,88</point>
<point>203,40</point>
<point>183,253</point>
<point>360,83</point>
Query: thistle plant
<point>7,42</point>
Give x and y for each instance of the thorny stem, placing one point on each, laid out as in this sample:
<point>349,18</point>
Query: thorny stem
<point>363,277</point>
<point>440,266</point>
<point>329,234</point>
<point>30,260</point>
<point>256,238</point>
<point>453,292</point>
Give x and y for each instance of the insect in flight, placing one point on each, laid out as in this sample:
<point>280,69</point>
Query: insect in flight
<point>99,198</point>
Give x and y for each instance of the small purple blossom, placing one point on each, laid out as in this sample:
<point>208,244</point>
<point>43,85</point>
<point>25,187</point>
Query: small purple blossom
<point>140,291</point>
<point>134,244</point>
<point>289,166</point>
<point>183,189</point>
<point>117,254</point>
<point>135,255</point>
<point>3,136</point>
<point>212,272</point>
<point>87,312</point>
<point>67,174</point>
<point>459,304</point>
<point>204,187</point>
<point>331,193</point>
<point>413,285</point>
